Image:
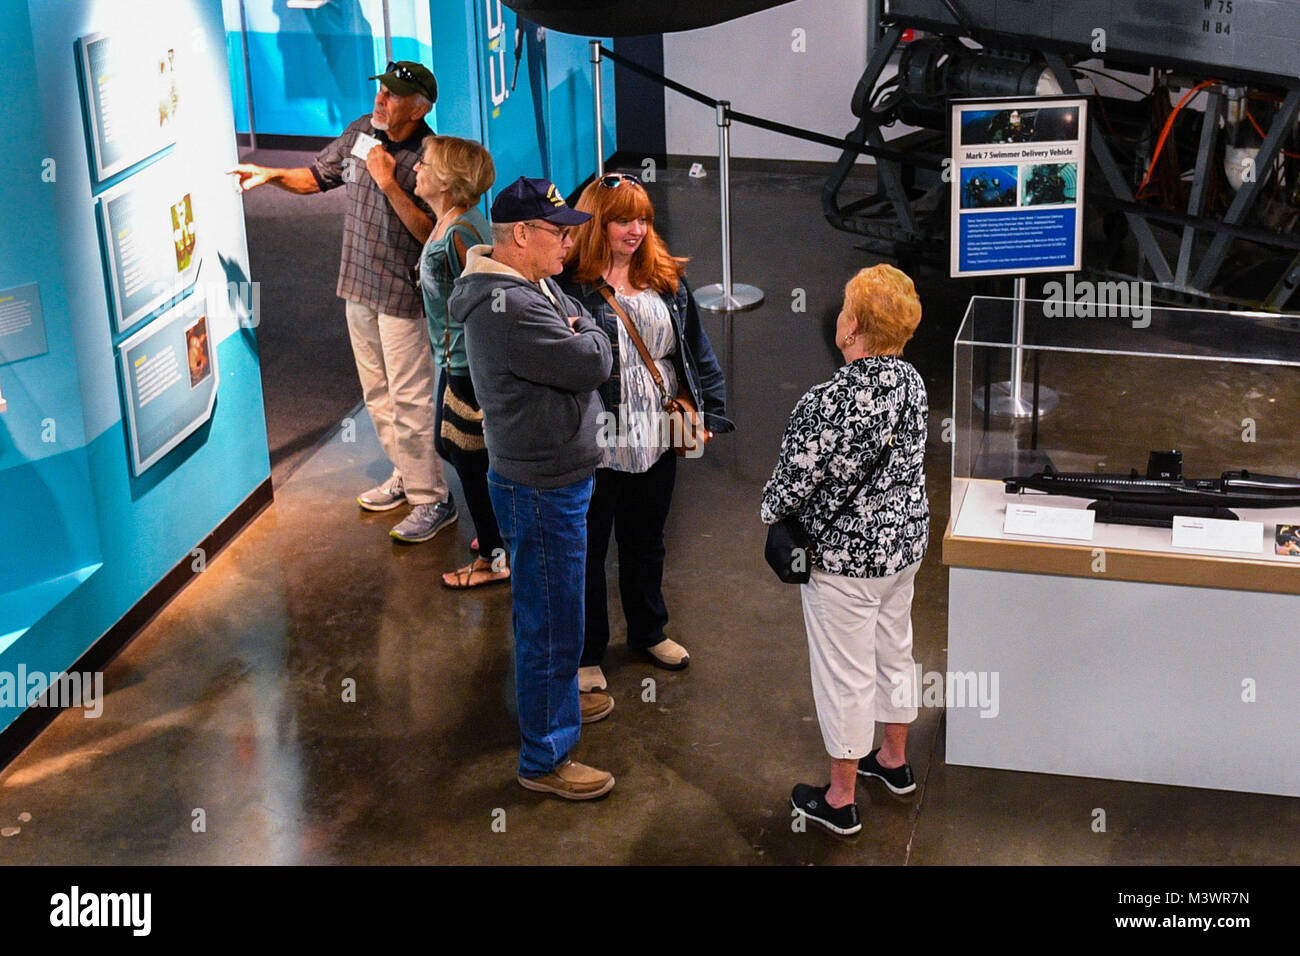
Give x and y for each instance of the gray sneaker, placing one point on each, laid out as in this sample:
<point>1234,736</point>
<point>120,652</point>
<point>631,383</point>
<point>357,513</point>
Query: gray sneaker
<point>383,497</point>
<point>425,521</point>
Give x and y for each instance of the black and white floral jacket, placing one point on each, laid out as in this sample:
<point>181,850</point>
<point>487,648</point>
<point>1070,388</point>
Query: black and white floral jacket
<point>837,430</point>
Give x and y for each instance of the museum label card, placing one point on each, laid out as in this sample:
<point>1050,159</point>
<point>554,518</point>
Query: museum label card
<point>1045,522</point>
<point>364,144</point>
<point>1215,534</point>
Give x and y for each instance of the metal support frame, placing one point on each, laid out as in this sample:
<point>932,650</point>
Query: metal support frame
<point>875,21</point>
<point>887,173</point>
<point>1246,195</point>
<point>1100,150</point>
<point>1285,287</point>
<point>1196,200</point>
<point>599,99</point>
<point>248,75</point>
<point>388,35</point>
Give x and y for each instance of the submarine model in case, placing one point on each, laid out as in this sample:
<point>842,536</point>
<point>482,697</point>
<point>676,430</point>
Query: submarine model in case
<point>1155,498</point>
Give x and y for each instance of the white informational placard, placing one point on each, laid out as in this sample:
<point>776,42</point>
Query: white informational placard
<point>1017,185</point>
<point>152,240</point>
<point>132,93</point>
<point>1216,534</point>
<point>1043,521</point>
<point>169,381</point>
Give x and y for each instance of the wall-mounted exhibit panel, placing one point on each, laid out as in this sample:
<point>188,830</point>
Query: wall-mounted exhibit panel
<point>1125,544</point>
<point>22,324</point>
<point>152,239</point>
<point>132,96</point>
<point>169,381</point>
<point>124,287</point>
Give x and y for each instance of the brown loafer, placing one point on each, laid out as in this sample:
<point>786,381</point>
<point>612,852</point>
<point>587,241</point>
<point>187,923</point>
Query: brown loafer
<point>572,781</point>
<point>595,706</point>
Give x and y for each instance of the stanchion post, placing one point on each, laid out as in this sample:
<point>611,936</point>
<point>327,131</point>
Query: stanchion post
<point>726,297</point>
<point>598,97</point>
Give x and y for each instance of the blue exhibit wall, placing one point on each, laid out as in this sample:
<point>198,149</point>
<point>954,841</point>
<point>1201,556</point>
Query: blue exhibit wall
<point>137,528</point>
<point>48,535</point>
<point>310,74</point>
<point>311,68</point>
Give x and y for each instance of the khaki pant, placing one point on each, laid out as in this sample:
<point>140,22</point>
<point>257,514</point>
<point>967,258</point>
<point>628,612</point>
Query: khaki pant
<point>395,365</point>
<point>860,653</point>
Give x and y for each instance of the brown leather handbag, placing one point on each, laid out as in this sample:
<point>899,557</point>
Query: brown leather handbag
<point>686,431</point>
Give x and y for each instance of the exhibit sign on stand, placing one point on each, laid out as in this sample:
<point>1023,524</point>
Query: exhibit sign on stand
<point>1016,208</point>
<point>1017,170</point>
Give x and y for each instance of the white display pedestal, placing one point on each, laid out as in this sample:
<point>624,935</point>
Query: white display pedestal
<point>1098,676</point>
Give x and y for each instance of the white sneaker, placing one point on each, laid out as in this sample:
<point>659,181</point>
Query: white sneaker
<point>591,678</point>
<point>383,497</point>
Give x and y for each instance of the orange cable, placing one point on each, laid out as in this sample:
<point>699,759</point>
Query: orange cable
<point>1169,125</point>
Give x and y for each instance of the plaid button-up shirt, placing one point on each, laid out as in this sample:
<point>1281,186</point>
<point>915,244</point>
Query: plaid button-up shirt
<point>378,250</point>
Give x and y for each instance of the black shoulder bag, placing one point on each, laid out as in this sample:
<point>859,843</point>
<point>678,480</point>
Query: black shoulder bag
<point>789,545</point>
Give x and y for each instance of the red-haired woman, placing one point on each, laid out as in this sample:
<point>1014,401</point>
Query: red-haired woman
<point>619,249</point>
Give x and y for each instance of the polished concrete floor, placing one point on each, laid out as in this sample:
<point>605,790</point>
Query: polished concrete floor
<point>316,697</point>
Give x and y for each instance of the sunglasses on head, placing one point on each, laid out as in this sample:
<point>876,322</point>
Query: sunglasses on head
<point>403,73</point>
<point>614,180</point>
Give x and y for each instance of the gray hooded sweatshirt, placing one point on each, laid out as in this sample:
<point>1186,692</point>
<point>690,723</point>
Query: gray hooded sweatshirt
<point>534,376</point>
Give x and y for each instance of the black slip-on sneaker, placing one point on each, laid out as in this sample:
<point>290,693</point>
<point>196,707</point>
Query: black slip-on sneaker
<point>810,803</point>
<point>897,779</point>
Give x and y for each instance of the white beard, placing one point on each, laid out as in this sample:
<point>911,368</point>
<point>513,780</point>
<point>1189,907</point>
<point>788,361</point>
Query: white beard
<point>378,124</point>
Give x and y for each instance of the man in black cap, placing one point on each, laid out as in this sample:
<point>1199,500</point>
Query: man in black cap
<point>384,230</point>
<point>536,357</point>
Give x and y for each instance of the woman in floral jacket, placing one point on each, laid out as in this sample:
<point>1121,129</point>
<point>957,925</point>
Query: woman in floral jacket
<point>868,422</point>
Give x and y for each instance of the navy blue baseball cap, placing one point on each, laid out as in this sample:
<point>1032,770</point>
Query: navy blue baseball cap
<point>535,199</point>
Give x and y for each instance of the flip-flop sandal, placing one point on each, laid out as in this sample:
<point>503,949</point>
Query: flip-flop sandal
<point>465,575</point>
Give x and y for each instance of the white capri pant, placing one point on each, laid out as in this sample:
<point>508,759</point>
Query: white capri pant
<point>860,652</point>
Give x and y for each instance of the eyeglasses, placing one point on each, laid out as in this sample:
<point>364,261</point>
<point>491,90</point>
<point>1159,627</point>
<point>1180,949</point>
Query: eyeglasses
<point>557,231</point>
<point>614,180</point>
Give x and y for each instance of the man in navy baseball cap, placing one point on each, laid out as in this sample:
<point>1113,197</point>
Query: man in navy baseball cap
<point>537,357</point>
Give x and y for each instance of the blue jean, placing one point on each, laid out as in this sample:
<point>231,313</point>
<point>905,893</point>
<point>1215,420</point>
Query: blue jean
<point>545,530</point>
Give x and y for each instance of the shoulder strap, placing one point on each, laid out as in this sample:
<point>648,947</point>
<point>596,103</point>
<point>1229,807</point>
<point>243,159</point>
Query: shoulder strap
<point>880,462</point>
<point>644,352</point>
<point>461,251</point>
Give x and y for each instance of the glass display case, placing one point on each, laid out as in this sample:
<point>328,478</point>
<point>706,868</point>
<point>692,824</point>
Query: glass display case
<point>1101,387</point>
<point>1120,627</point>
